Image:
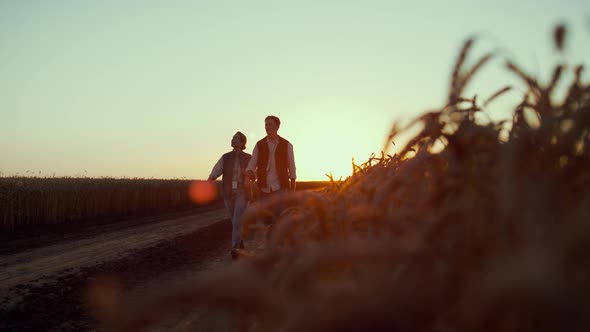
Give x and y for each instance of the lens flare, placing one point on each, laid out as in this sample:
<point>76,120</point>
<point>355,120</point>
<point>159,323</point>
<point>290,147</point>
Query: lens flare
<point>202,192</point>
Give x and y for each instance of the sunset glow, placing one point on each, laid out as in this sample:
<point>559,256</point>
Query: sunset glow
<point>117,89</point>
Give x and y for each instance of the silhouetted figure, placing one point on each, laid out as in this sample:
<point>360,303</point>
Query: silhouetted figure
<point>273,163</point>
<point>232,166</point>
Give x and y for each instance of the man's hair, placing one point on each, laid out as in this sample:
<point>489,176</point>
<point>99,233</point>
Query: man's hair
<point>276,119</point>
<point>243,139</point>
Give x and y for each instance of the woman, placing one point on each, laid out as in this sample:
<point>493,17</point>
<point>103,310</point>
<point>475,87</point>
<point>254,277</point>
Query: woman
<point>232,167</point>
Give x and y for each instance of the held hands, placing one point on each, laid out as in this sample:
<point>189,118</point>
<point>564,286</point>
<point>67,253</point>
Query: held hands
<point>250,175</point>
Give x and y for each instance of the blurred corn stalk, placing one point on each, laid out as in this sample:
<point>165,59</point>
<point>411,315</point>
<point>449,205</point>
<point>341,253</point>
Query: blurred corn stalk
<point>471,226</point>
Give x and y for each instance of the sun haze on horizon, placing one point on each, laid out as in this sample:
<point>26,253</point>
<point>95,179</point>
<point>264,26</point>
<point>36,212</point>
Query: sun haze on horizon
<point>157,89</point>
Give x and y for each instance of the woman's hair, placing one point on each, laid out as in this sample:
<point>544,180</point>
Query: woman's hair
<point>243,139</point>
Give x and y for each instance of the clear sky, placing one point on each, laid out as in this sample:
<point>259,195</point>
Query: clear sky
<point>157,89</point>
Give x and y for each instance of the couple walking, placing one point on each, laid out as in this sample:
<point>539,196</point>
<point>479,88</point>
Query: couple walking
<point>272,164</point>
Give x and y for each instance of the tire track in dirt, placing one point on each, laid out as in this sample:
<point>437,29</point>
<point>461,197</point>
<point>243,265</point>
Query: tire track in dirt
<point>48,285</point>
<point>47,261</point>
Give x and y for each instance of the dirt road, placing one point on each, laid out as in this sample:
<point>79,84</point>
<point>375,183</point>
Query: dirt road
<point>45,288</point>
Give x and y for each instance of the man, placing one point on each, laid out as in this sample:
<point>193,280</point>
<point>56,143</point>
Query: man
<point>272,162</point>
<point>232,166</point>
